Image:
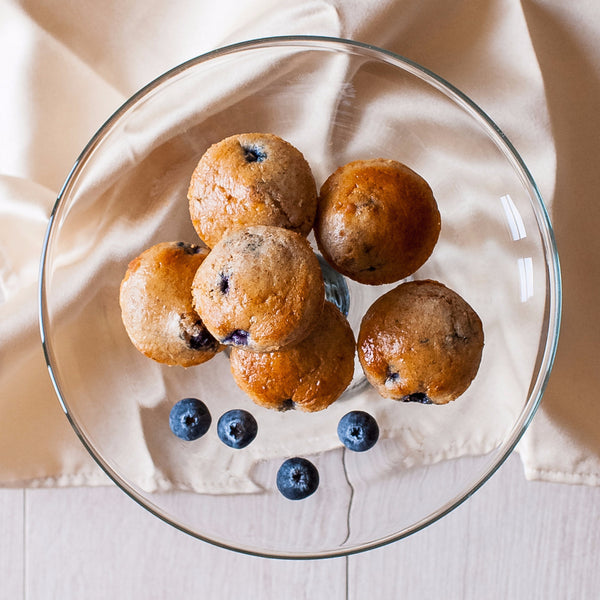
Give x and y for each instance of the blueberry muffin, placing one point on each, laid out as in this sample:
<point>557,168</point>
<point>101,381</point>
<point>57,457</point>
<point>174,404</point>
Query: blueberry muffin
<point>377,221</point>
<point>309,375</point>
<point>420,342</point>
<point>260,288</point>
<point>251,179</point>
<point>156,305</point>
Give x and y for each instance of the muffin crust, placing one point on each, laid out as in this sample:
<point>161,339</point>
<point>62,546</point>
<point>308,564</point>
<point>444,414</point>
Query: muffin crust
<point>420,342</point>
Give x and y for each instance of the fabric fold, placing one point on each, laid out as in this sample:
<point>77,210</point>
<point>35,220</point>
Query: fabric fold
<point>74,65</point>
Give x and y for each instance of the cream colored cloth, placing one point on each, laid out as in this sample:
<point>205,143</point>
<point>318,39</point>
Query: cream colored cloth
<point>67,67</point>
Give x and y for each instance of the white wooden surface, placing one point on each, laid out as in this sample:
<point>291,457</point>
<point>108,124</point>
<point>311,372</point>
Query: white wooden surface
<point>512,540</point>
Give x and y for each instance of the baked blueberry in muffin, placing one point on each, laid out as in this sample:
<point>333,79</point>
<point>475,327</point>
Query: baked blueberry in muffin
<point>309,375</point>
<point>156,305</point>
<point>420,342</point>
<point>260,288</point>
<point>251,179</point>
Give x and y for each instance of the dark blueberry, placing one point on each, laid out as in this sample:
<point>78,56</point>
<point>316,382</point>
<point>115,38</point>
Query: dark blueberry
<point>419,397</point>
<point>189,419</point>
<point>297,478</point>
<point>189,248</point>
<point>391,377</point>
<point>193,332</point>
<point>336,288</point>
<point>239,337</point>
<point>358,431</point>
<point>202,340</point>
<point>254,154</point>
<point>223,283</point>
<point>287,404</point>
<point>237,428</point>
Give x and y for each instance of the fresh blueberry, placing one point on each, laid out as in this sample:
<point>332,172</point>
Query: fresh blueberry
<point>297,478</point>
<point>358,431</point>
<point>336,288</point>
<point>237,428</point>
<point>189,419</point>
<point>239,337</point>
<point>254,154</point>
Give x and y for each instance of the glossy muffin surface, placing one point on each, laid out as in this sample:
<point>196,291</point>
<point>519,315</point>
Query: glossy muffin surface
<point>309,375</point>
<point>420,342</point>
<point>377,221</point>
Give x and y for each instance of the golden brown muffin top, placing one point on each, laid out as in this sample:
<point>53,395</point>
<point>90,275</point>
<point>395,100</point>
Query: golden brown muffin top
<point>420,342</point>
<point>377,221</point>
<point>156,305</point>
<point>251,179</point>
<point>260,287</point>
<point>309,375</point>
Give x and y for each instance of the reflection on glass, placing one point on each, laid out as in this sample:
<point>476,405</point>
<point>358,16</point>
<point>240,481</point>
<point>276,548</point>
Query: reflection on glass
<point>526,277</point>
<point>513,217</point>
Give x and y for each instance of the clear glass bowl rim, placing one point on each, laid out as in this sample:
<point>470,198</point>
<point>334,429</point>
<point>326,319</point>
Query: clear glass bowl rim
<point>554,299</point>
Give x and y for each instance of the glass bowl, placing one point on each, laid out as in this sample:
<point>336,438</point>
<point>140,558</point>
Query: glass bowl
<point>337,101</point>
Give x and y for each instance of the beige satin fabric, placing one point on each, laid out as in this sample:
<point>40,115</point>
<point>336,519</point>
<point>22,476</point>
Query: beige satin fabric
<point>69,66</point>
